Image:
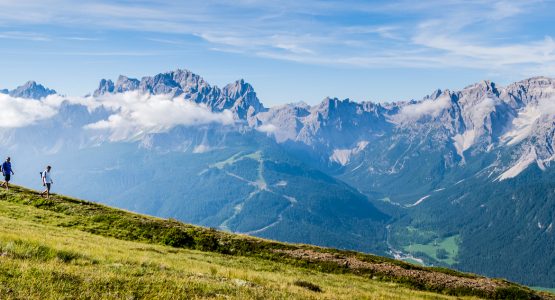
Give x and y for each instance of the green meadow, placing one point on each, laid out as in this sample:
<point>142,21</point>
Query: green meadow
<point>65,248</point>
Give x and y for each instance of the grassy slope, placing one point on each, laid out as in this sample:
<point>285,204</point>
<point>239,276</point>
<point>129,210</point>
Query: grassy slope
<point>66,247</point>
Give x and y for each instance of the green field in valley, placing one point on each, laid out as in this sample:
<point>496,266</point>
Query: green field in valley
<point>443,250</point>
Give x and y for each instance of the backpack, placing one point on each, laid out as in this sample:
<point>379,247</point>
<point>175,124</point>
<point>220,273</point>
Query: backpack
<point>40,174</point>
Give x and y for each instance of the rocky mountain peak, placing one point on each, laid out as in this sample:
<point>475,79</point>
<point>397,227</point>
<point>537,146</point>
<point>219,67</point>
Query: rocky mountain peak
<point>329,105</point>
<point>480,90</point>
<point>529,91</point>
<point>104,87</point>
<point>31,90</point>
<point>434,95</point>
<point>124,84</point>
<point>176,83</point>
<point>236,89</point>
<point>538,81</point>
<point>186,78</point>
<point>241,98</point>
<point>238,96</point>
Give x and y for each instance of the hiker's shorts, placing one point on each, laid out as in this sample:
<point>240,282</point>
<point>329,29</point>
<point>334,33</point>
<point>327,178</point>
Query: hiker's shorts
<point>48,186</point>
<point>7,177</point>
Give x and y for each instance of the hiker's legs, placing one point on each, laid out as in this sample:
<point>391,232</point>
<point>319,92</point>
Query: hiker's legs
<point>47,190</point>
<point>7,181</point>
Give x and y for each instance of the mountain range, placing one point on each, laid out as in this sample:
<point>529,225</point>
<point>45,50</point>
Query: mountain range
<point>458,178</point>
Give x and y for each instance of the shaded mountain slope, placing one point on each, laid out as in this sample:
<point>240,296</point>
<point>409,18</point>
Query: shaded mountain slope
<point>249,186</point>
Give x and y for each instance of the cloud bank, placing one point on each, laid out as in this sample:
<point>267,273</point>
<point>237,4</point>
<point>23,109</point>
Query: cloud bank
<point>132,115</point>
<point>139,114</point>
<point>19,112</point>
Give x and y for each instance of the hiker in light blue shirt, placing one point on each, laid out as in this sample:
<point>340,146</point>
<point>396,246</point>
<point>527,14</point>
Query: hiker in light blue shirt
<point>7,172</point>
<point>46,181</point>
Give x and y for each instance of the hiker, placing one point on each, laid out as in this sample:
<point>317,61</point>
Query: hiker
<point>46,181</point>
<point>7,172</point>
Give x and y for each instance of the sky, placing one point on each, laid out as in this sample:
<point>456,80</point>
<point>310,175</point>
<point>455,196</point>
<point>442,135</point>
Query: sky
<point>288,50</point>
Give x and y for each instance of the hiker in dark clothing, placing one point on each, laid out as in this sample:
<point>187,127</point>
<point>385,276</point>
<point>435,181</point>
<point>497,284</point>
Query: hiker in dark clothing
<point>7,172</point>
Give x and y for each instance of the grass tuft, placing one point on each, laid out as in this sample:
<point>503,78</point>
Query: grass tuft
<point>21,249</point>
<point>308,285</point>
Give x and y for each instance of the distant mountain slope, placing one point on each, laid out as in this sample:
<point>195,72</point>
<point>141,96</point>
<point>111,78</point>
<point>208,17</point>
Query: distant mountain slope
<point>247,185</point>
<point>501,228</point>
<point>82,249</point>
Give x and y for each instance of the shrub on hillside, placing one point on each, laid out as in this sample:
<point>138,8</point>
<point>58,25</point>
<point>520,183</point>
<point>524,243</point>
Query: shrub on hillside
<point>177,238</point>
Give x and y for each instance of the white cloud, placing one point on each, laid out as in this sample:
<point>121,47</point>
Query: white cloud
<point>79,38</point>
<point>420,109</point>
<point>431,34</point>
<point>56,100</point>
<point>134,114</point>
<point>28,36</point>
<point>19,112</point>
<point>267,128</point>
<point>539,53</point>
<point>504,9</point>
<point>138,114</point>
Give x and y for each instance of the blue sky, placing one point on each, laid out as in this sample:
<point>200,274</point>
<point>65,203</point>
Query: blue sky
<point>288,50</point>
